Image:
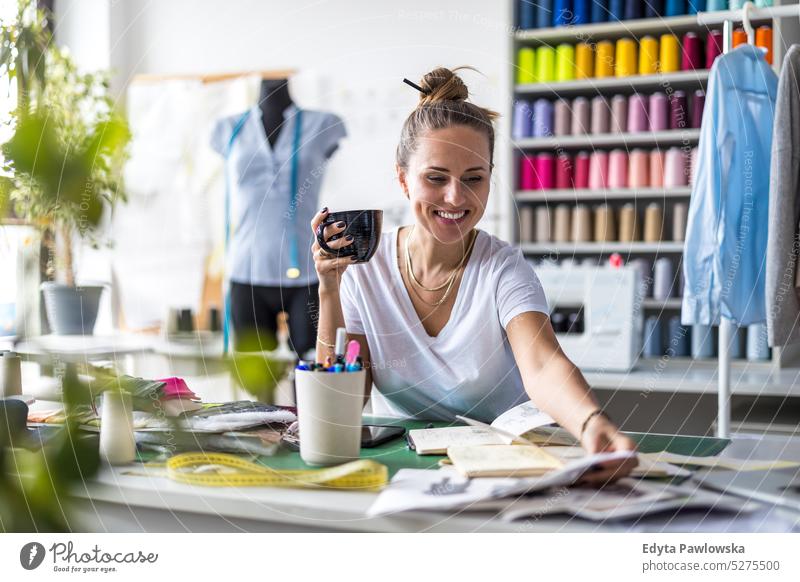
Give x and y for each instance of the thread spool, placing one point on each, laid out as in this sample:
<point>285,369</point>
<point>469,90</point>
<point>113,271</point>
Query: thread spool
<point>674,7</point>
<point>526,224</point>
<point>117,443</point>
<point>714,44</point>
<point>564,172</point>
<point>562,118</point>
<point>542,118</point>
<point>657,111</point>
<point>628,224</point>
<point>599,11</point>
<point>656,169</point>
<point>580,116</point>
<point>757,347</point>
<point>702,342</point>
<point>616,9</point>
<point>544,14</point>
<point>10,374</point>
<point>581,13</point>
<point>618,169</point>
<point>678,342</point>
<point>543,232</point>
<point>584,61</point>
<point>523,120</point>
<point>643,276</point>
<point>527,172</point>
<point>663,276</point>
<point>582,170</point>
<point>526,65</point>
<point>653,223</point>
<point>562,223</point>
<point>675,168</point>
<point>654,9</point>
<point>598,171</point>
<point>637,113</point>
<point>527,15</point>
<point>692,52</point>
<point>633,9</point>
<point>604,59</point>
<point>738,37</point>
<point>619,114</point>
<point>565,62</point>
<point>680,214</point>
<point>652,346</point>
<point>545,70</point>
<point>648,56</point>
<point>625,58</point>
<point>716,5</point>
<point>693,159</point>
<point>638,165</point>
<point>735,346</point>
<point>678,110</point>
<point>669,54</point>
<point>695,6</point>
<point>601,115</point>
<point>581,224</point>
<point>764,40</point>
<point>545,172</point>
<point>562,13</point>
<point>698,105</point>
<point>605,228</point>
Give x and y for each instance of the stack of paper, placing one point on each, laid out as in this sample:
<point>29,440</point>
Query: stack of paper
<point>503,461</point>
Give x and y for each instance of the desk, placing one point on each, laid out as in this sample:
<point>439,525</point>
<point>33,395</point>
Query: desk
<point>116,502</point>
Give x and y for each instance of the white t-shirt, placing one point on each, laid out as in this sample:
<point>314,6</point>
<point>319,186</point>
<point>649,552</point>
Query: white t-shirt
<point>469,367</point>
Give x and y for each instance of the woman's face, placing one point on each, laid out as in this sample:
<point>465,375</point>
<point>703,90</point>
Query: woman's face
<point>447,181</point>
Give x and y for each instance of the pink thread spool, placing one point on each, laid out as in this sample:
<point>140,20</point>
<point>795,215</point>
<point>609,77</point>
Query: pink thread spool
<point>638,174</point>
<point>656,169</point>
<point>545,172</point>
<point>618,169</point>
<point>582,171</point>
<point>527,173</point>
<point>564,172</point>
<point>598,171</point>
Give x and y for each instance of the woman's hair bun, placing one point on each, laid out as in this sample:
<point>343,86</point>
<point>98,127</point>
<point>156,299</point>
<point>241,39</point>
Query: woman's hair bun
<point>442,84</point>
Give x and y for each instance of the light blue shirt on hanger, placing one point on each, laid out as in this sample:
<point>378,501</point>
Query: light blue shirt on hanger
<point>724,257</point>
<point>260,184</point>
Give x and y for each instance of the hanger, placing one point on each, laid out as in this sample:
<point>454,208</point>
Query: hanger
<point>748,27</point>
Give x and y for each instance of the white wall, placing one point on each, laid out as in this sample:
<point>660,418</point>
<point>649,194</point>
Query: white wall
<point>351,56</point>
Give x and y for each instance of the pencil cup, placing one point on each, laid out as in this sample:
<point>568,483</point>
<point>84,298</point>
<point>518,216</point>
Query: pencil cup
<point>117,443</point>
<point>329,409</point>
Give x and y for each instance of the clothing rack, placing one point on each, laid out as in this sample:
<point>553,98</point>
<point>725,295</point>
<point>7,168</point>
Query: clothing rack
<point>747,13</point>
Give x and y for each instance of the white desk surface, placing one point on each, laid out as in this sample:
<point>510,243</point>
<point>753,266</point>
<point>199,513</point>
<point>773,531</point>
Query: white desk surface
<point>117,502</point>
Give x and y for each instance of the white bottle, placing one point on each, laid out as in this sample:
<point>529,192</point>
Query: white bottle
<point>117,443</point>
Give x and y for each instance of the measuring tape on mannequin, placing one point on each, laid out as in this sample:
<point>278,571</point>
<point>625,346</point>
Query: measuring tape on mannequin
<point>223,470</point>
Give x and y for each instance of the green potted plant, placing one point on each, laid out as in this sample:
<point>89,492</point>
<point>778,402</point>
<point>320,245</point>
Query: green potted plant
<point>62,166</point>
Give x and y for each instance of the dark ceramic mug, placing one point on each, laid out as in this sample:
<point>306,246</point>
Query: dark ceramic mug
<point>363,225</point>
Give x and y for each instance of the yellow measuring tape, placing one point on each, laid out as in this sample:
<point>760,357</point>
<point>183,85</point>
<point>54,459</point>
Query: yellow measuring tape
<point>222,470</point>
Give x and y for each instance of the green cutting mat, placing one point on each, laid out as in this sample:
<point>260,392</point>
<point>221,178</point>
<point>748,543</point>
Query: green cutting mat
<point>396,455</point>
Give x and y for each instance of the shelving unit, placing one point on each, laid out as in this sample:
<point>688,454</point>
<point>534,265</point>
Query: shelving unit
<point>688,81</point>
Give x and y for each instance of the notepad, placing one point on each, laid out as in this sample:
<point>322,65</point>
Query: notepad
<point>502,461</point>
<point>518,421</point>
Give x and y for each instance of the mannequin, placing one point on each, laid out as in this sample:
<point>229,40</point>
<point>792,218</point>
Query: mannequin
<point>273,101</point>
<point>273,215</point>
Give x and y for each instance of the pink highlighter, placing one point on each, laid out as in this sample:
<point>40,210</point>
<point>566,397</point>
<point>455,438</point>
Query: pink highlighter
<point>351,356</point>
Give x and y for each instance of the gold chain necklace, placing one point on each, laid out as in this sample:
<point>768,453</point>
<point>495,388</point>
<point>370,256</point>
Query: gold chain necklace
<point>450,280</point>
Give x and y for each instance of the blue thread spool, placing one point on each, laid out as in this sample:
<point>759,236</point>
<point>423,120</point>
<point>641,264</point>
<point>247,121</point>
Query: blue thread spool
<point>581,13</point>
<point>678,343</point>
<point>675,7</point>
<point>562,12</point>
<point>702,341</point>
<point>653,347</point>
<point>599,10</point>
<point>527,14</point>
<point>695,6</point>
<point>633,9</point>
<point>654,8</point>
<point>616,10</point>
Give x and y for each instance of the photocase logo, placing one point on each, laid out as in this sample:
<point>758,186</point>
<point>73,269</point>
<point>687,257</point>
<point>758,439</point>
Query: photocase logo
<point>31,555</point>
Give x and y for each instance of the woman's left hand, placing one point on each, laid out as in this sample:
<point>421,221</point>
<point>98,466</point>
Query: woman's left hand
<point>602,436</point>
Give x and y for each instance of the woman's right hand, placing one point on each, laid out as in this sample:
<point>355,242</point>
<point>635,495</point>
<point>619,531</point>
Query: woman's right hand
<point>329,268</point>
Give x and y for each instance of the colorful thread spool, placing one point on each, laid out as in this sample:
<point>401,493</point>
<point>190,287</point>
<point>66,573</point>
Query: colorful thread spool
<point>601,115</point>
<point>638,169</point>
<point>562,223</point>
<point>605,228</point>
<point>738,37</point>
<point>584,61</point>
<point>582,171</point>
<point>656,169</point>
<point>523,120</point>
<point>691,53</point>
<point>565,62</point>
<point>675,168</point>
<point>619,114</point>
<point>545,172</point>
<point>628,224</point>
<point>653,223</point>
<point>680,214</point>
<point>526,224</point>
<point>678,110</point>
<point>581,224</point>
<point>544,13</point>
<point>562,118</point>
<point>526,61</point>
<point>527,172</point>
<point>669,54</point>
<point>658,107</point>
<point>545,70</point>
<point>764,40</point>
<point>618,169</point>
<point>564,172</point>
<point>604,59</point>
<point>714,43</point>
<point>625,58</point>
<point>542,118</point>
<point>638,120</point>
<point>598,171</point>
<point>648,56</point>
<point>581,114</point>
<point>696,112</point>
<point>543,231</point>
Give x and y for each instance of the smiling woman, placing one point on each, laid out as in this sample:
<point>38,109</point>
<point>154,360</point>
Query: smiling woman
<point>463,310</point>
